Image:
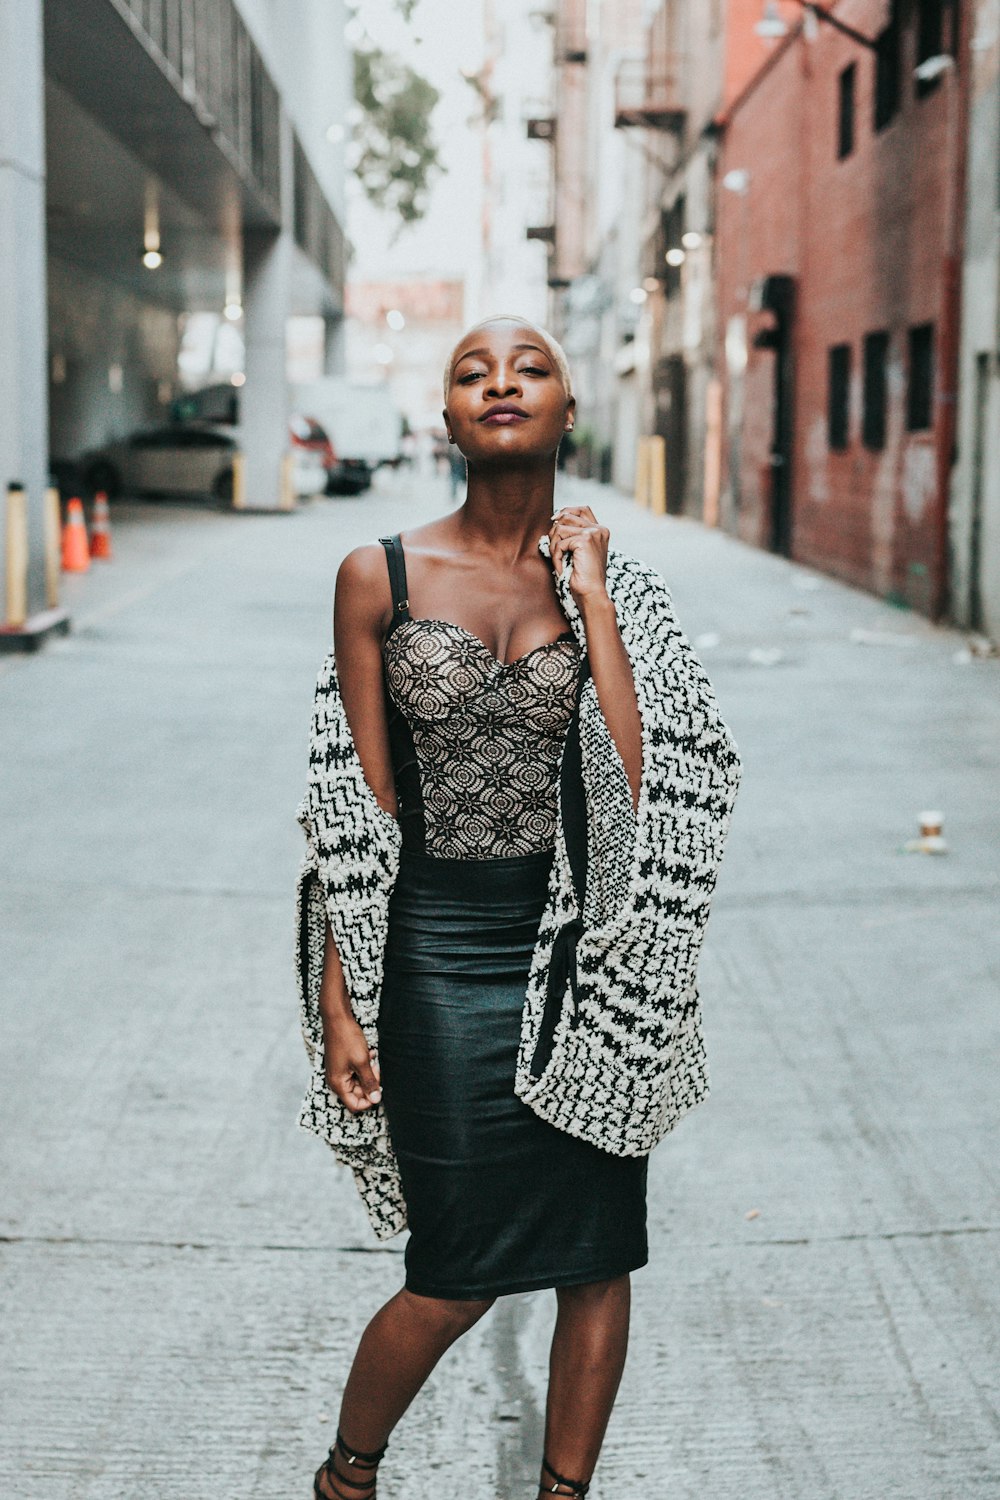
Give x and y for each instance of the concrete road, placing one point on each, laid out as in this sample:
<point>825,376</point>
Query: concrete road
<point>185,1273</point>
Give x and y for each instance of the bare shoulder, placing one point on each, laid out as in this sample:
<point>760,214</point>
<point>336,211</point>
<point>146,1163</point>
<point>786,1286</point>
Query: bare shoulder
<point>363,593</point>
<point>437,536</point>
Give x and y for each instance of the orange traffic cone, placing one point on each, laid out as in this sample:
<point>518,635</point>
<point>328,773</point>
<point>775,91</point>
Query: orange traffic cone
<point>100,530</point>
<point>75,552</point>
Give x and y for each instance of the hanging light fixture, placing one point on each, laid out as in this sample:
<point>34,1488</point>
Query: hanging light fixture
<point>152,257</point>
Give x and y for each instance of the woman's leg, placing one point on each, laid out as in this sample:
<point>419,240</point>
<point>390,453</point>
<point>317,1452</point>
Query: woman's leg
<point>397,1352</point>
<point>585,1369</point>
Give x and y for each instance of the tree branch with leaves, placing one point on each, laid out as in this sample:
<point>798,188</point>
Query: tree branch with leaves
<point>395,155</point>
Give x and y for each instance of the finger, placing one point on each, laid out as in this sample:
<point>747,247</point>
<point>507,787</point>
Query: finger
<point>367,1081</point>
<point>350,1096</point>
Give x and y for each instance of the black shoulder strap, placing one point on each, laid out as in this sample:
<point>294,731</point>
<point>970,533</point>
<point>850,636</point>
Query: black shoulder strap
<point>397,579</point>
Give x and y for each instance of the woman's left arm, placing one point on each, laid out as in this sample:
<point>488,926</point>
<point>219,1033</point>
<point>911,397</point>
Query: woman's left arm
<point>576,530</point>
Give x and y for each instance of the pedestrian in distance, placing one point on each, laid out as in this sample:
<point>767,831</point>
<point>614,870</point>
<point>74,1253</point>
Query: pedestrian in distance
<point>519,789</point>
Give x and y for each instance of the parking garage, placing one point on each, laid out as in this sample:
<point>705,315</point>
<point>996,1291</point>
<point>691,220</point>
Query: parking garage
<point>168,211</point>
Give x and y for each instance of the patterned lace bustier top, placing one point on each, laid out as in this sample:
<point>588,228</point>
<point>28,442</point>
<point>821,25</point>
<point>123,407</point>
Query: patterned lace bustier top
<point>476,742</point>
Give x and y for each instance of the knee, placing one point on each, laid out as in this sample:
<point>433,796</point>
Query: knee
<point>450,1316</point>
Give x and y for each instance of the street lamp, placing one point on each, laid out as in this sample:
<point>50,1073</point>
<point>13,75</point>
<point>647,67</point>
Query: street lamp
<point>773,26</point>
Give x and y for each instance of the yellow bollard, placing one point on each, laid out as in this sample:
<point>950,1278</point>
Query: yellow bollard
<point>17,557</point>
<point>286,500</point>
<point>658,475</point>
<point>239,482</point>
<point>53,545</point>
<point>642,472</point>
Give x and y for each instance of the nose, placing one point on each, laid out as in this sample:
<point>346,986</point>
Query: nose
<point>504,382</point>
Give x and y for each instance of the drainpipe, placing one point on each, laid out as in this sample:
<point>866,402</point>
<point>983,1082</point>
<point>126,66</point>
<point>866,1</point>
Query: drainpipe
<point>958,84</point>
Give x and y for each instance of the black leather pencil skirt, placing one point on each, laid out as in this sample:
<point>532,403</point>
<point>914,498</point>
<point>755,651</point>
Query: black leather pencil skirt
<point>497,1199</point>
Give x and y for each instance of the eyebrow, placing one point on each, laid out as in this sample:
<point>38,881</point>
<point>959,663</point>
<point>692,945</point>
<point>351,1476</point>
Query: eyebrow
<point>485,353</point>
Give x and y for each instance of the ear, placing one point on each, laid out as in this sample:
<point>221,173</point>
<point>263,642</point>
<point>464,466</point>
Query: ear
<point>570,414</point>
<point>447,426</point>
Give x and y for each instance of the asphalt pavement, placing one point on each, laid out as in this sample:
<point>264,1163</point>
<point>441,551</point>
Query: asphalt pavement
<point>185,1274</point>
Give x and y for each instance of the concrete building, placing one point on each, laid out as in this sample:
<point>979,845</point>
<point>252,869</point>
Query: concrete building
<point>596,230</point>
<point>516,105</point>
<point>975,497</point>
<point>841,176</point>
<point>694,56</point>
<point>400,333</point>
<point>156,160</point>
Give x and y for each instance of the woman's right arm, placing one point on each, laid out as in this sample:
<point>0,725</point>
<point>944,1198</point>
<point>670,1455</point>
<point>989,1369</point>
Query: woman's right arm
<point>361,614</point>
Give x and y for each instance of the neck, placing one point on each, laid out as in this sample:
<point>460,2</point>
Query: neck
<point>509,508</point>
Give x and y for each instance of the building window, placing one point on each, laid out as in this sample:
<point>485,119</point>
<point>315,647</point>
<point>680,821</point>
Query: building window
<point>888,70</point>
<point>920,393</point>
<point>672,225</point>
<point>839,396</point>
<point>937,27</point>
<point>845,122</point>
<point>876,391</point>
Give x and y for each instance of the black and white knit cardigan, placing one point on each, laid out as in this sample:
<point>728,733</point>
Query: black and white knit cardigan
<point>628,1059</point>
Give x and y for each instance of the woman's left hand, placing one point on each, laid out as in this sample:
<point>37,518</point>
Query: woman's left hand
<point>576,531</point>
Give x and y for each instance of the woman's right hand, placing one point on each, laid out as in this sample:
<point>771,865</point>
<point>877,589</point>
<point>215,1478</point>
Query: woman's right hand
<point>352,1072</point>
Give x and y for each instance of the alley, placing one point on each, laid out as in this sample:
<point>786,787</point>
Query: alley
<point>185,1273</point>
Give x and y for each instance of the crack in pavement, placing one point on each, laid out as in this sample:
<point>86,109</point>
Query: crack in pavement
<point>859,1237</point>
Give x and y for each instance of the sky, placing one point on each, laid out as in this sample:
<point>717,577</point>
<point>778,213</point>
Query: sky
<point>443,37</point>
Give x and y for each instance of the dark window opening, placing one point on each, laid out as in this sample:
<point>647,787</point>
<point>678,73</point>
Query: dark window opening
<point>888,70</point>
<point>920,392</point>
<point>876,391</point>
<point>839,396</point>
<point>845,123</point>
<point>937,35</point>
<point>672,226</point>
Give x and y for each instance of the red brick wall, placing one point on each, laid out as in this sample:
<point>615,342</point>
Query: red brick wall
<point>867,238</point>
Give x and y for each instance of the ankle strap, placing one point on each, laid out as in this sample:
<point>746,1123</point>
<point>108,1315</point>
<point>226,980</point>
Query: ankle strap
<point>574,1489</point>
<point>361,1463</point>
<point>355,1456</point>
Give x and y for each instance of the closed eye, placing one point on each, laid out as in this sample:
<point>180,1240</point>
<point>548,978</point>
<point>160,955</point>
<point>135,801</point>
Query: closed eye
<point>468,378</point>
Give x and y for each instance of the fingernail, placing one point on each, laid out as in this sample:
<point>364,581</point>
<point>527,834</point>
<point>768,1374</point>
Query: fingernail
<point>375,1096</point>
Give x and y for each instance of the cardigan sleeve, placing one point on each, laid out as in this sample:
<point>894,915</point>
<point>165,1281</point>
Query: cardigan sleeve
<point>350,863</point>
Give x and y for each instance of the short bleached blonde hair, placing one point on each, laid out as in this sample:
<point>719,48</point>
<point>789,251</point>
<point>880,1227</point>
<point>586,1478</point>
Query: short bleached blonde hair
<point>553,345</point>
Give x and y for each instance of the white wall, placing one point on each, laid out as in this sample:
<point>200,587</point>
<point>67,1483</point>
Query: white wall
<point>303,44</point>
<point>976,480</point>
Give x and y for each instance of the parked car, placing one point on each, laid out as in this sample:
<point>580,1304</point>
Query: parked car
<point>344,474</point>
<point>363,423</point>
<point>189,458</point>
<point>349,476</point>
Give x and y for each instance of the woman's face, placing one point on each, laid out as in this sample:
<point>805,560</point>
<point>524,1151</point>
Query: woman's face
<point>506,400</point>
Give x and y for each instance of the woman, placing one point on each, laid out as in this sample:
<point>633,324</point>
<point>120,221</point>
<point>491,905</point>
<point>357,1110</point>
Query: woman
<point>519,788</point>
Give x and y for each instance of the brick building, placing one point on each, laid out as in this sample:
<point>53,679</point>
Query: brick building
<point>840,183</point>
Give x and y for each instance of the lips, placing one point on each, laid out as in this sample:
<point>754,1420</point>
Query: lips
<point>504,414</point>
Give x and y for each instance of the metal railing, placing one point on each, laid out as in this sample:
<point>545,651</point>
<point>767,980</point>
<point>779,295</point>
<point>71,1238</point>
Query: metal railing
<point>315,225</point>
<point>205,48</point>
<point>649,96</point>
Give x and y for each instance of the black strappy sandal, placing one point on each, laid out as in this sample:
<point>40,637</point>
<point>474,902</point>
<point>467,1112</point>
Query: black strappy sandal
<point>573,1489</point>
<point>356,1489</point>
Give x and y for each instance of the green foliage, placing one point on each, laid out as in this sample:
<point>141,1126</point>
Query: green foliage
<point>396,155</point>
